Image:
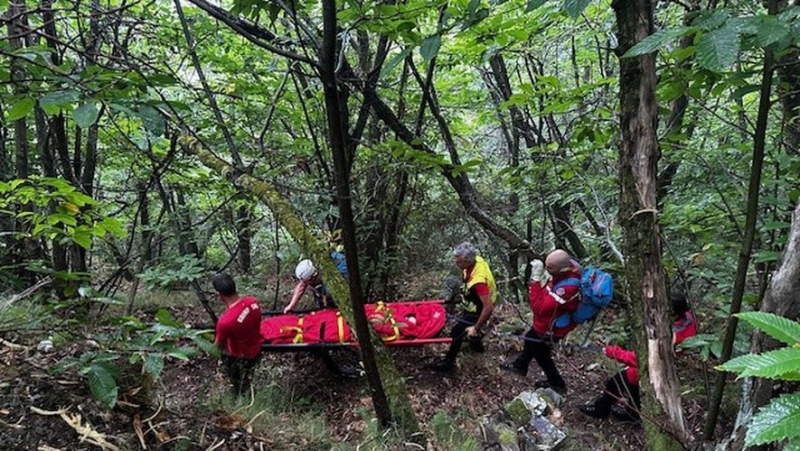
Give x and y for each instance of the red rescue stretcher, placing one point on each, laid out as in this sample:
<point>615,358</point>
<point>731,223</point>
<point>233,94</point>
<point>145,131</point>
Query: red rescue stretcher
<point>413,323</point>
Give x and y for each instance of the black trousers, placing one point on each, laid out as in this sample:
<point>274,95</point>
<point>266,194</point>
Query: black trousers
<point>240,371</point>
<point>540,348</point>
<point>459,334</point>
<point>617,388</point>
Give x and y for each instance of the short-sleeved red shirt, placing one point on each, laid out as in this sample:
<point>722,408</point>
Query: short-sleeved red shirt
<point>239,328</point>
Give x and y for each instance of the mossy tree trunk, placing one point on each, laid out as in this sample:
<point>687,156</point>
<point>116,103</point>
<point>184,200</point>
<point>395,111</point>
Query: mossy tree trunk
<point>644,273</point>
<point>393,383</point>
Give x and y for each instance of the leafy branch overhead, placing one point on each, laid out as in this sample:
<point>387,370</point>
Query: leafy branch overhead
<point>719,36</point>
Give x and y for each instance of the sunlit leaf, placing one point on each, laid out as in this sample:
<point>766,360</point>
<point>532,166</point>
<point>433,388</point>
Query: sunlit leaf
<point>20,109</point>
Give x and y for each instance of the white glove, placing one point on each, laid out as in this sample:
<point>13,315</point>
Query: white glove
<point>537,270</point>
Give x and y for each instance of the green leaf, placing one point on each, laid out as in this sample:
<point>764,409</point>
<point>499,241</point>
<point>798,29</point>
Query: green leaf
<point>206,345</point>
<point>55,101</point>
<point>711,19</point>
<point>157,336</point>
<point>107,301</point>
<point>20,109</point>
<point>102,385</point>
<point>183,353</point>
<point>777,327</point>
<point>697,341</point>
<point>395,60</point>
<point>82,238</point>
<point>154,364</point>
<point>152,119</point>
<point>767,256</point>
<point>780,364</point>
<point>744,90</point>
<point>112,225</point>
<point>430,47</point>
<point>777,421</point>
<point>771,30</point>
<point>656,41</point>
<point>86,115</point>
<point>718,49</point>
<point>777,225</point>
<point>533,4</point>
<point>575,7</point>
<point>163,317</point>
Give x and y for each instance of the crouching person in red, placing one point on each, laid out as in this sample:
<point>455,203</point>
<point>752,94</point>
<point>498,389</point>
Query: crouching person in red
<point>549,301</point>
<point>625,384</point>
<point>238,333</point>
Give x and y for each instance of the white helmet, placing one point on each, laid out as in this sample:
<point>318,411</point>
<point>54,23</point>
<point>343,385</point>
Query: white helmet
<point>305,270</point>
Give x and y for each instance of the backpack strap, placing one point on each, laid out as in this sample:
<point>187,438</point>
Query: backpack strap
<point>570,282</point>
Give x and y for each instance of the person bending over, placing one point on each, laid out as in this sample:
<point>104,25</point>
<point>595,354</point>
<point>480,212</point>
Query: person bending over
<point>624,386</point>
<point>309,278</point>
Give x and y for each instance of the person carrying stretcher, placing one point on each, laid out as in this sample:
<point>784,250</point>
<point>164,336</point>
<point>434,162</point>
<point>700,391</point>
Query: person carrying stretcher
<point>624,386</point>
<point>549,299</point>
<point>480,294</point>
<point>309,278</point>
<point>238,333</point>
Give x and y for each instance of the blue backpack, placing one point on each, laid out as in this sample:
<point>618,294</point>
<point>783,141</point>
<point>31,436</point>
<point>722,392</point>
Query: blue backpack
<point>341,263</point>
<point>597,288</point>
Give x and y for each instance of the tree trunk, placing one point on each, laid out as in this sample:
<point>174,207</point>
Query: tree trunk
<point>781,299</point>
<point>644,274</point>
<point>376,366</point>
<point>789,90</point>
<point>17,26</point>
<point>244,235</point>
<point>743,263</point>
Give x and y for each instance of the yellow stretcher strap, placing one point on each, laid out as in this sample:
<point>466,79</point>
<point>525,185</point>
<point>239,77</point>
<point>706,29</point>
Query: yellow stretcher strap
<point>340,326</point>
<point>299,337</point>
<point>388,314</point>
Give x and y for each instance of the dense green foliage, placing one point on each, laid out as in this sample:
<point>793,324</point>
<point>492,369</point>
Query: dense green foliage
<point>510,105</point>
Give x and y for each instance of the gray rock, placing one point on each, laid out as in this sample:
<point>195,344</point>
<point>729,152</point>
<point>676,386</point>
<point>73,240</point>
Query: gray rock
<point>534,401</point>
<point>552,397</point>
<point>547,435</point>
<point>45,346</point>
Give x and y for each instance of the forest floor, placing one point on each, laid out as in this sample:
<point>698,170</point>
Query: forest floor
<point>297,404</point>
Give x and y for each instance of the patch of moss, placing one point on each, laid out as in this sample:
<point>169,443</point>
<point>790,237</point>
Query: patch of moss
<point>506,435</point>
<point>518,411</point>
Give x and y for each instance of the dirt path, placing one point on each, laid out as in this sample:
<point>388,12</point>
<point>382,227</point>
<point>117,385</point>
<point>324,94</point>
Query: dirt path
<point>181,400</point>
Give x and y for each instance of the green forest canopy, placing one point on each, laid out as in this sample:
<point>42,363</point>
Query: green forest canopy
<point>491,121</point>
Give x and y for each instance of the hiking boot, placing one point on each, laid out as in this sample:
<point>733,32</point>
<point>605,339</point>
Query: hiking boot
<point>513,369</point>
<point>592,411</point>
<point>560,389</point>
<point>442,366</point>
<point>348,372</point>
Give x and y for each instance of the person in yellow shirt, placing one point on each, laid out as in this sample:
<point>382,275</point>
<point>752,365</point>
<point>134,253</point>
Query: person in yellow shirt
<point>480,294</point>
